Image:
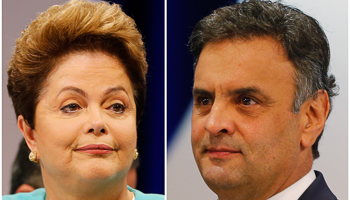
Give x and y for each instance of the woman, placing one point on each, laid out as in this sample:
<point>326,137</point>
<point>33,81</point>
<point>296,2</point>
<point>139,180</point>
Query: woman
<point>77,83</point>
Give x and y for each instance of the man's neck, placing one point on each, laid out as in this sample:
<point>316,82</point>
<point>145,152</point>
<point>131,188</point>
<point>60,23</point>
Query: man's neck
<point>297,189</point>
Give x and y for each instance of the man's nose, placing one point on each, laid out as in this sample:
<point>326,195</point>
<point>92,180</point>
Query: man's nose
<point>220,120</point>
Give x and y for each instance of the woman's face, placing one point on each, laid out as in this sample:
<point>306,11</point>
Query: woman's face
<point>85,121</point>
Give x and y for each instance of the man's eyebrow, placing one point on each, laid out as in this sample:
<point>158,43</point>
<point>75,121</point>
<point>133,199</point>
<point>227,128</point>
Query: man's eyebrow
<point>72,88</point>
<point>202,92</point>
<point>249,91</point>
<point>237,92</point>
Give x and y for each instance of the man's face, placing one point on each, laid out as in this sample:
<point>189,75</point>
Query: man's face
<point>244,133</point>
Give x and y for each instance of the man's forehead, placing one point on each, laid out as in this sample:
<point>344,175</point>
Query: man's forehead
<point>248,49</point>
<point>254,63</point>
<point>234,41</point>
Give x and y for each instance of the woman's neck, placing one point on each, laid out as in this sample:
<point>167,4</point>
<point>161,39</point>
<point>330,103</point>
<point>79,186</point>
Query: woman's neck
<point>113,188</point>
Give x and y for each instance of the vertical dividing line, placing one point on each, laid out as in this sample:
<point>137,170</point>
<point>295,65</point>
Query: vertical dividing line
<point>165,101</point>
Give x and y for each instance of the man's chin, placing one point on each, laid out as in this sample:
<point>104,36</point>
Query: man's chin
<point>221,177</point>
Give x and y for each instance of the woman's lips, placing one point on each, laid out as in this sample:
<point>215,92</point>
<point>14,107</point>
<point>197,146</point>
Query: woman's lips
<point>222,153</point>
<point>96,149</point>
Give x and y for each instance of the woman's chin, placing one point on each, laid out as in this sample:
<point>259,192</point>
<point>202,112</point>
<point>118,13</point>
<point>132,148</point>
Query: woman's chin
<point>99,171</point>
<point>98,174</point>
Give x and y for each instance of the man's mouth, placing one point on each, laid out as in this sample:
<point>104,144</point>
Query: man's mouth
<point>221,153</point>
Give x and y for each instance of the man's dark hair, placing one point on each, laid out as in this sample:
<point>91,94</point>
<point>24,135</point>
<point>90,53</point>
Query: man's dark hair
<point>24,171</point>
<point>304,42</point>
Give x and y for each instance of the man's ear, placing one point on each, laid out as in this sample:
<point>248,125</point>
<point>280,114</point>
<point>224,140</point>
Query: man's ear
<point>28,134</point>
<point>314,113</point>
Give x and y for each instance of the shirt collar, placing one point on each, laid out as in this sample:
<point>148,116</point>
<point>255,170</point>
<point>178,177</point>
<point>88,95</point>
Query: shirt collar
<point>294,191</point>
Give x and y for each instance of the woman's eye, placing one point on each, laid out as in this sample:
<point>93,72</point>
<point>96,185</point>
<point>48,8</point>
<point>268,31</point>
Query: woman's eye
<point>248,101</point>
<point>117,107</point>
<point>70,108</point>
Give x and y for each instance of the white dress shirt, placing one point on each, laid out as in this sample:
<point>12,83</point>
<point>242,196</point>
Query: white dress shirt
<point>294,191</point>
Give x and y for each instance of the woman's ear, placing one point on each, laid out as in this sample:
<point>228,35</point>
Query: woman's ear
<point>28,133</point>
<point>314,115</point>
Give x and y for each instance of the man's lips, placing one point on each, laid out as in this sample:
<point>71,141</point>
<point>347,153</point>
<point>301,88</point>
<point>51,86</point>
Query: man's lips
<point>96,149</point>
<point>222,152</point>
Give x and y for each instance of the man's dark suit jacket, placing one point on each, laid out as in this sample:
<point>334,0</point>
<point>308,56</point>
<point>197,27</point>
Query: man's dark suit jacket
<point>318,190</point>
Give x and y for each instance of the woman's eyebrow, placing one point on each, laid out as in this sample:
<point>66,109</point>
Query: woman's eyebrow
<point>81,92</point>
<point>115,89</point>
<point>72,88</point>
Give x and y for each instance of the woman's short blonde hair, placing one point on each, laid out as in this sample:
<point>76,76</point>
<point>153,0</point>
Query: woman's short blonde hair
<point>76,26</point>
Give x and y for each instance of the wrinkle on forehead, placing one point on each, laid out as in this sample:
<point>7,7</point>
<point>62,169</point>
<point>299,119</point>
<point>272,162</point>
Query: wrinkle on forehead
<point>227,66</point>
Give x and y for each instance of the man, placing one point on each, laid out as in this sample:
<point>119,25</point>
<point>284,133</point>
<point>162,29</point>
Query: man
<point>262,95</point>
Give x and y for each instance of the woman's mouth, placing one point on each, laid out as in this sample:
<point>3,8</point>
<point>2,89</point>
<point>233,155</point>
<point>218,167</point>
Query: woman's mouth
<point>96,149</point>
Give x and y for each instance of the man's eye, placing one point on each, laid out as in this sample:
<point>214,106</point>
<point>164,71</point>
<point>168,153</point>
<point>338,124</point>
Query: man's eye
<point>70,108</point>
<point>248,101</point>
<point>204,101</point>
<point>117,107</point>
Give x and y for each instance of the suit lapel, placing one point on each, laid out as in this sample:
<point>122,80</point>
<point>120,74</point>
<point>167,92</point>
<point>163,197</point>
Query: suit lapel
<point>318,190</point>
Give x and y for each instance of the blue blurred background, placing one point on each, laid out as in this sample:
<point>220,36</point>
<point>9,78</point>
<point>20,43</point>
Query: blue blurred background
<point>149,17</point>
<point>182,15</point>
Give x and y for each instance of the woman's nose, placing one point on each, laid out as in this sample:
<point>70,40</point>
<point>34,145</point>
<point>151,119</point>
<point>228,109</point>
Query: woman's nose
<point>220,120</point>
<point>95,123</point>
